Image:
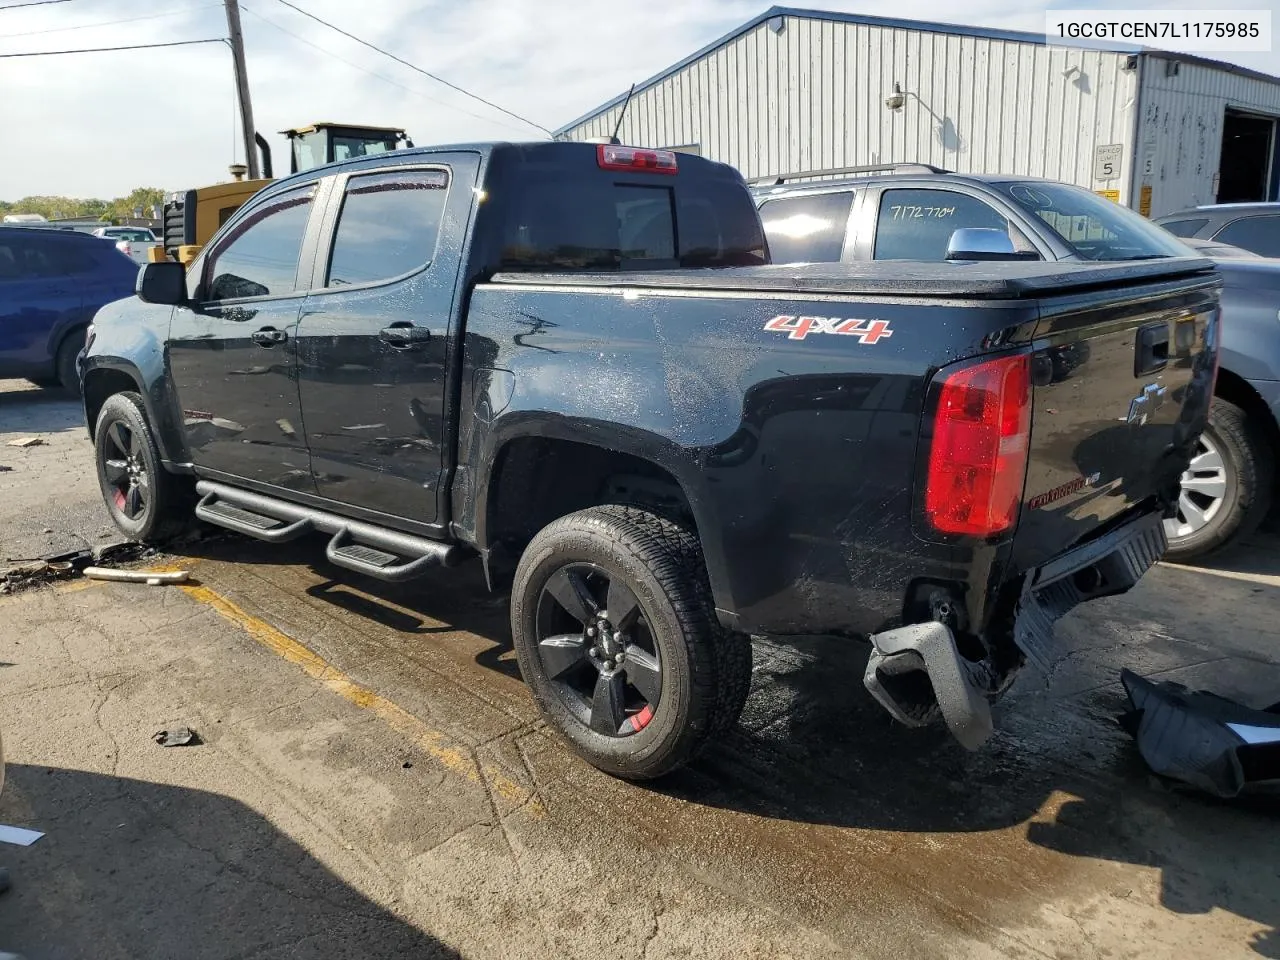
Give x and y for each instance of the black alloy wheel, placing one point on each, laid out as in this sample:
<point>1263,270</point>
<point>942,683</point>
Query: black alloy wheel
<point>597,650</point>
<point>125,471</point>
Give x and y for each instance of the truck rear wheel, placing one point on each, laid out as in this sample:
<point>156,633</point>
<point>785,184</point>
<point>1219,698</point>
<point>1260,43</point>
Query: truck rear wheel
<point>145,501</point>
<point>617,637</point>
<point>1226,490</point>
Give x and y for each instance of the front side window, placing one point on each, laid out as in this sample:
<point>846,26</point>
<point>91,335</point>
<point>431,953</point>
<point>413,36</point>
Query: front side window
<point>807,229</point>
<point>1260,235</point>
<point>918,224</point>
<point>260,256</point>
<point>388,226</point>
<point>1093,227</point>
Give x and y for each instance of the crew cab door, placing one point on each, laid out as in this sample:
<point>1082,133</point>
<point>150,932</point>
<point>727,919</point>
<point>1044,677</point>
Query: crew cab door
<point>374,337</point>
<point>233,352</point>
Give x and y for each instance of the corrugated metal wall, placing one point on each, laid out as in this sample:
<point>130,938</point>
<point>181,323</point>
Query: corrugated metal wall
<point>1181,128</point>
<point>813,97</point>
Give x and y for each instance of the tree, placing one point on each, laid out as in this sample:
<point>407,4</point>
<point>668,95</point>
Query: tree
<point>56,208</point>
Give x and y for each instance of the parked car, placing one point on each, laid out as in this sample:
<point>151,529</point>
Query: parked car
<point>913,212</point>
<point>502,352</point>
<point>1230,485</point>
<point>52,282</point>
<point>1251,226</point>
<point>1212,248</point>
<point>133,242</point>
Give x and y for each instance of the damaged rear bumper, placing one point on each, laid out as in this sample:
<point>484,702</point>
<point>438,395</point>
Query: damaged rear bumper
<point>960,689</point>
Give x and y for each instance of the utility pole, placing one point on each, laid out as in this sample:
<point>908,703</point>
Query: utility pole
<point>242,88</point>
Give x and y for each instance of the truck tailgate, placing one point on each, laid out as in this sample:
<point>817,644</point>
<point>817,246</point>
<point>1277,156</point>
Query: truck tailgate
<point>1121,388</point>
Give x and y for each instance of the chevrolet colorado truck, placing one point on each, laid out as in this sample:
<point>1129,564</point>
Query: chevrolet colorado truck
<point>574,363</point>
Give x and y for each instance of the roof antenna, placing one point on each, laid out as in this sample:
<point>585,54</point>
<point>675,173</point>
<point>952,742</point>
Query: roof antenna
<point>622,113</point>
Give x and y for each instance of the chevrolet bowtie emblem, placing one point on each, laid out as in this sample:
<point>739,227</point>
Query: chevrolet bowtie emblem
<point>1147,403</point>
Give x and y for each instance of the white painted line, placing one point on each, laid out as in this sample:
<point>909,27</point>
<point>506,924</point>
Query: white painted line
<point>18,836</point>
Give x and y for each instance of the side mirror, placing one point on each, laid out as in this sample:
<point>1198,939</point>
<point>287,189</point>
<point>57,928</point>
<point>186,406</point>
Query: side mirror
<point>163,283</point>
<point>974,243</point>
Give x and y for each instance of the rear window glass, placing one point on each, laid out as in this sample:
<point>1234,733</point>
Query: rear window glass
<point>554,223</point>
<point>1094,227</point>
<point>807,229</point>
<point>1184,228</point>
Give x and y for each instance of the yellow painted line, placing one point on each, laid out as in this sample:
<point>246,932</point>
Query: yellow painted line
<point>438,746</point>
<point>1265,579</point>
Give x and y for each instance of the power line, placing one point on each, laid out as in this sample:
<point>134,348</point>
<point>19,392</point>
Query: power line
<point>365,70</point>
<point>111,23</point>
<point>33,3</point>
<point>426,73</point>
<point>132,46</point>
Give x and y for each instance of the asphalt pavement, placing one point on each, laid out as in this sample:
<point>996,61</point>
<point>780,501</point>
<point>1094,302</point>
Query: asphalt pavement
<point>373,780</point>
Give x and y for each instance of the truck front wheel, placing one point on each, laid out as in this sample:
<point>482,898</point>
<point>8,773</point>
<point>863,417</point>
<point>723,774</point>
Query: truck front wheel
<point>145,501</point>
<point>617,637</point>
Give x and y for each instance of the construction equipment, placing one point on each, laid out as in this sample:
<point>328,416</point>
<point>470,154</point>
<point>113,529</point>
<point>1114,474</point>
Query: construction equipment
<point>192,217</point>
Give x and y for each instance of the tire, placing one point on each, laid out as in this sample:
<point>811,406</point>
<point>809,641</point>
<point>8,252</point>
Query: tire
<point>1234,456</point>
<point>126,459</point>
<point>619,558</point>
<point>65,364</point>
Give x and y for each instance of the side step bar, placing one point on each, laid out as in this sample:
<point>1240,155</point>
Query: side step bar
<point>361,547</point>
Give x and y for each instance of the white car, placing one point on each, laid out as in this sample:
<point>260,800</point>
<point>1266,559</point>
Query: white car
<point>133,242</point>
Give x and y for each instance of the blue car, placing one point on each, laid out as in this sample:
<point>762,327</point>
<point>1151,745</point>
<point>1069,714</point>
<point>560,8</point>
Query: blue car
<point>52,282</point>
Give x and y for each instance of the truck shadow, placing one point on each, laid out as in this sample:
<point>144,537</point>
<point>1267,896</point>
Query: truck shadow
<point>813,748</point>
<point>131,869</point>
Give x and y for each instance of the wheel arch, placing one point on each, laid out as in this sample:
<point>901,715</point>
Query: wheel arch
<point>104,377</point>
<point>543,471</point>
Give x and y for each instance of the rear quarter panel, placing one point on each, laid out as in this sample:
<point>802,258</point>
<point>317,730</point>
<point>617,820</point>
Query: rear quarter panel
<point>796,454</point>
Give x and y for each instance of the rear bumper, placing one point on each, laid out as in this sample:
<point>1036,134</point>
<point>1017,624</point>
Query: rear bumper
<point>961,690</point>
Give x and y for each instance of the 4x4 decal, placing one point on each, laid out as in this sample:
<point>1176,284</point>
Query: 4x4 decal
<point>869,332</point>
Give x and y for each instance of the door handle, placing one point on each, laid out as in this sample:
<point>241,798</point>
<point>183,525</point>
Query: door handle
<point>1151,352</point>
<point>269,337</point>
<point>405,336</point>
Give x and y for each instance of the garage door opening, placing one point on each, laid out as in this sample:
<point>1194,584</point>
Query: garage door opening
<point>1247,145</point>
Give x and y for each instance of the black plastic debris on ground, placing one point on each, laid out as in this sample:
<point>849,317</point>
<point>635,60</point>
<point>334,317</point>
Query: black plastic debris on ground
<point>1207,741</point>
<point>176,737</point>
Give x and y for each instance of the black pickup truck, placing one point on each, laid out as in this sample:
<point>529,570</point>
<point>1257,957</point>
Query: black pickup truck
<point>519,353</point>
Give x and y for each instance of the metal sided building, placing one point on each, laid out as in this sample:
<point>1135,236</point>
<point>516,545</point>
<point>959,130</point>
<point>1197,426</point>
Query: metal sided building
<point>796,90</point>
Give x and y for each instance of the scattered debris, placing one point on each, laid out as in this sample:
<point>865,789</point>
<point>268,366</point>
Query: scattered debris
<point>150,577</point>
<point>177,737</point>
<point>1202,739</point>
<point>19,836</point>
<point>27,573</point>
<point>25,442</point>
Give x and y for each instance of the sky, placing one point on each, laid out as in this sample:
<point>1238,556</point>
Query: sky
<point>100,124</point>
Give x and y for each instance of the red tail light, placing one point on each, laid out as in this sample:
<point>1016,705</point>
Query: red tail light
<point>978,461</point>
<point>613,157</point>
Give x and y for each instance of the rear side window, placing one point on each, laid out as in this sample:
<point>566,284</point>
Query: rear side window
<point>37,258</point>
<point>1260,235</point>
<point>917,224</point>
<point>561,223</point>
<point>259,258</point>
<point>1184,228</point>
<point>807,229</point>
<point>388,225</point>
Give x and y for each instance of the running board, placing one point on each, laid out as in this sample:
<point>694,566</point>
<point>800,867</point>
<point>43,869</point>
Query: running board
<point>361,547</point>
